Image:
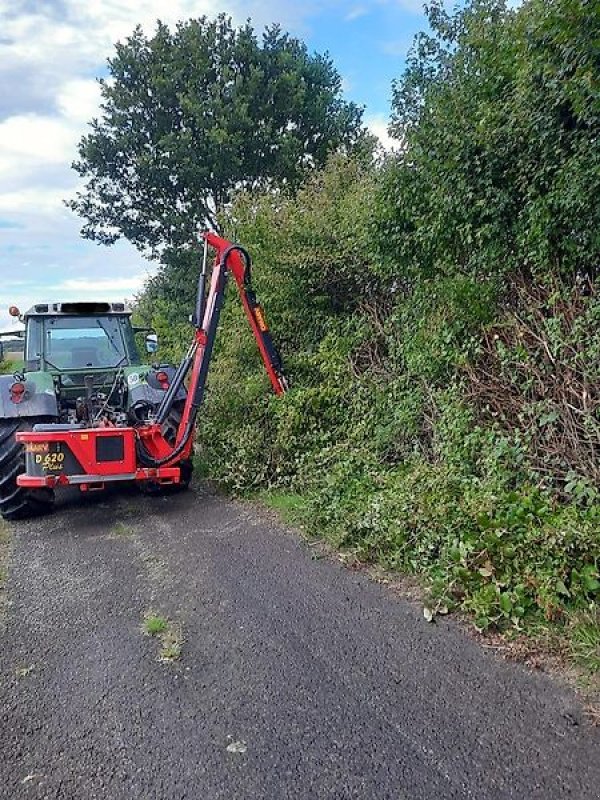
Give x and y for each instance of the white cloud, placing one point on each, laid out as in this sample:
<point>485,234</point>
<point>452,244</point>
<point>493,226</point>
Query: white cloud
<point>101,287</point>
<point>32,201</point>
<point>378,125</point>
<point>79,100</point>
<point>355,13</point>
<point>28,141</point>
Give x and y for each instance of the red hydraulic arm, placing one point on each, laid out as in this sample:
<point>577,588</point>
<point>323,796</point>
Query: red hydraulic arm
<point>230,258</point>
<point>256,317</point>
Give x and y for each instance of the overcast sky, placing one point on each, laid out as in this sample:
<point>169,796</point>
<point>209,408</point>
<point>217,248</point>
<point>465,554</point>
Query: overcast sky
<point>50,54</point>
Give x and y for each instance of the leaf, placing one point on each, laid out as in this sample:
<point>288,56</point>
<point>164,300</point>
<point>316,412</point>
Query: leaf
<point>591,584</point>
<point>589,577</point>
<point>546,419</point>
<point>506,603</point>
<point>428,614</point>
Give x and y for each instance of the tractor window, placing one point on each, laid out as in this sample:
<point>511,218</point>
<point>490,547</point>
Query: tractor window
<point>80,342</point>
<point>129,339</point>
<point>33,344</point>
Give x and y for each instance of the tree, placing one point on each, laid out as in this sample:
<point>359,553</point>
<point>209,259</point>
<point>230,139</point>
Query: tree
<point>500,114</point>
<point>191,115</point>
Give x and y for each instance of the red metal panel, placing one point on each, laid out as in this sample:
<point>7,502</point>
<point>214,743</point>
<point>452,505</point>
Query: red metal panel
<point>82,443</point>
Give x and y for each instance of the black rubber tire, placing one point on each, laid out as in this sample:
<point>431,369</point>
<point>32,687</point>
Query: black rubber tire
<point>15,502</point>
<point>187,470</point>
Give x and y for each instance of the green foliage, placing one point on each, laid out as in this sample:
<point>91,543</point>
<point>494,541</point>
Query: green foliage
<point>503,554</point>
<point>499,110</point>
<point>310,254</point>
<point>154,624</point>
<point>585,639</point>
<point>289,506</point>
<point>190,114</point>
<point>444,318</point>
<point>444,411</point>
<point>538,372</point>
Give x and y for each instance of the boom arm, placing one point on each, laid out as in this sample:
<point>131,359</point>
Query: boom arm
<point>237,260</point>
<point>230,258</point>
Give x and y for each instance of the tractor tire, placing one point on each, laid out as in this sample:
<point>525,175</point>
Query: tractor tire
<point>187,470</point>
<point>16,502</point>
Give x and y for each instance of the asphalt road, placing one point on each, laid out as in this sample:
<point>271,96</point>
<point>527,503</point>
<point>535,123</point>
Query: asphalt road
<point>297,678</point>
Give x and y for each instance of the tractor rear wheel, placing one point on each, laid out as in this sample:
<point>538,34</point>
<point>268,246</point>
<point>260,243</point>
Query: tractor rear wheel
<point>16,502</point>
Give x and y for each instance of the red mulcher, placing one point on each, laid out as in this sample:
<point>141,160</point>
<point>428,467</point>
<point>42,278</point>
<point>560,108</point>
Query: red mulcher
<point>92,456</point>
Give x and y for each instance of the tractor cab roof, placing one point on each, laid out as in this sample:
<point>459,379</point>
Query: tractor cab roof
<point>73,309</point>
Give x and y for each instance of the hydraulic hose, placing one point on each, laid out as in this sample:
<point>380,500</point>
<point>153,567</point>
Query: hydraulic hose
<point>146,460</point>
<point>176,384</point>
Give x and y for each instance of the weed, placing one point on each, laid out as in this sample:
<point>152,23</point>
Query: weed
<point>23,672</point>
<point>121,529</point>
<point>288,505</point>
<point>169,634</point>
<point>154,624</point>
<point>171,643</point>
<point>585,639</point>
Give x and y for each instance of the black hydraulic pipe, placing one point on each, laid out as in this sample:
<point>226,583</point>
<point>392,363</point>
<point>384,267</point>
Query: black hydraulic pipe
<point>183,368</point>
<point>211,334</point>
<point>176,384</point>
<point>143,455</point>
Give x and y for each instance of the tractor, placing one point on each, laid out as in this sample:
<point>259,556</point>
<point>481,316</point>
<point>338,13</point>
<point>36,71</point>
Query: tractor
<point>84,411</point>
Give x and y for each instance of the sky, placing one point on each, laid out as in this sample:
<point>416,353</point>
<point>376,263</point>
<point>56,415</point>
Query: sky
<point>52,51</point>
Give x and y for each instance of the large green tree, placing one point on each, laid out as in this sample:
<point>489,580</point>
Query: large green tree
<point>499,109</point>
<point>191,115</point>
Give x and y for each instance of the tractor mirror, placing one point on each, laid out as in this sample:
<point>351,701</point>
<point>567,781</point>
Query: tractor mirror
<point>151,343</point>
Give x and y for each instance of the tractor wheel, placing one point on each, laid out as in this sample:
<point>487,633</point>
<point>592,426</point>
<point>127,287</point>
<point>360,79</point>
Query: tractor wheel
<point>187,470</point>
<point>15,502</point>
